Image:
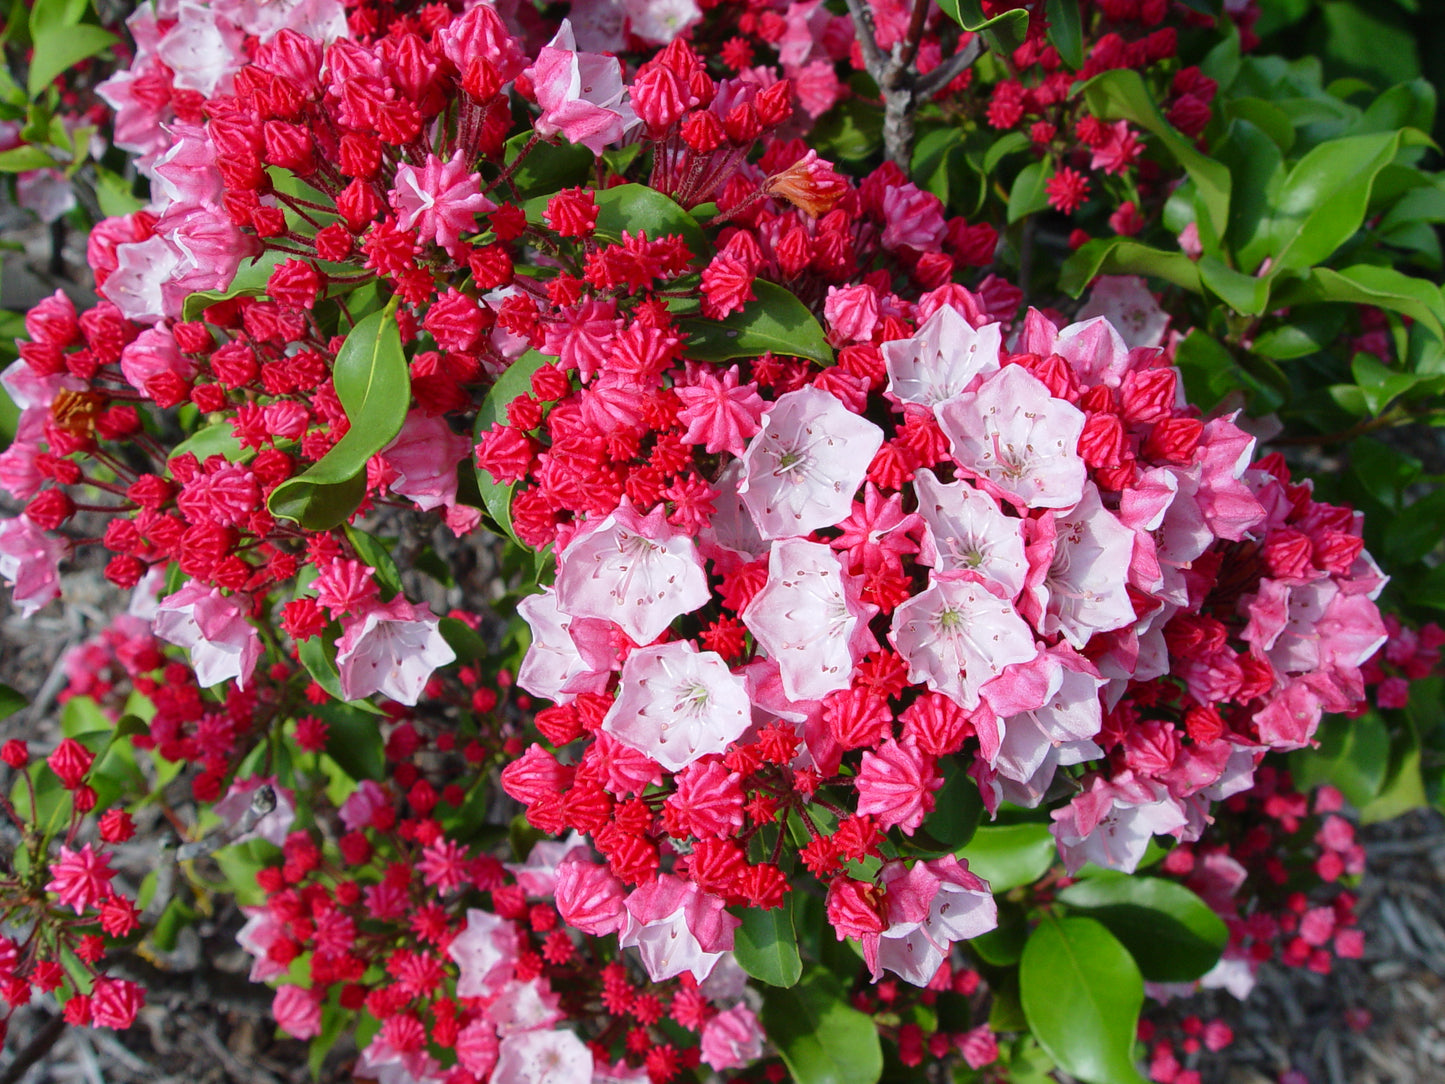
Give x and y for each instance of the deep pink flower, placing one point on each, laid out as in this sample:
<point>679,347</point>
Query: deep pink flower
<point>896,782</point>
<point>590,898</point>
<point>732,1039</point>
<point>440,201</point>
<point>80,878</point>
<point>213,628</point>
<point>297,1011</point>
<point>719,414</point>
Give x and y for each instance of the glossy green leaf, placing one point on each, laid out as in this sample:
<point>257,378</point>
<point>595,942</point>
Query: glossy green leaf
<point>462,639</point>
<point>219,439</point>
<point>822,1039</point>
<point>114,194</point>
<point>353,738</point>
<point>1030,191</point>
<point>1120,256</point>
<point>250,280</point>
<point>1081,993</point>
<point>1010,855</point>
<point>1122,95</point>
<point>1172,934</point>
<point>1243,293</point>
<point>766,945</point>
<point>1352,756</point>
<point>957,807</point>
<point>11,701</point>
<point>177,915</point>
<point>638,209</point>
<point>1324,197</point>
<point>1001,148</point>
<point>374,387</point>
<point>1415,533</point>
<point>1366,284</point>
<point>548,167</point>
<point>58,48</point>
<point>930,166</point>
<point>514,382</point>
<point>374,553</point>
<point>1066,31</point>
<point>1003,33</point>
<point>776,321</point>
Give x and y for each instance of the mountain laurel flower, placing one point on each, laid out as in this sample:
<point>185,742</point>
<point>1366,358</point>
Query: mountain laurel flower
<point>720,414</point>
<point>582,95</point>
<point>390,648</point>
<point>810,184</point>
<point>484,952</point>
<point>803,468</point>
<point>1017,437</point>
<point>440,201</point>
<point>941,359</point>
<point>677,927</point>
<point>424,456</point>
<point>636,570</point>
<point>30,561</point>
<point>1082,588</point>
<point>80,878</point>
<point>929,907</point>
<point>732,1039</point>
<point>957,635</point>
<point>590,898</point>
<point>809,617</point>
<point>213,629</point>
<point>542,1057</point>
<point>968,532</point>
<point>896,782</point>
<point>1112,821</point>
<point>676,704</point>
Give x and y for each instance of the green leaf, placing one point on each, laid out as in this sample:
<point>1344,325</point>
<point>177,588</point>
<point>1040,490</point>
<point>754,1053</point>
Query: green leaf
<point>219,439</point>
<point>353,739</point>
<point>1122,95</point>
<point>372,552</point>
<point>957,807</point>
<point>1001,148</point>
<point>11,701</point>
<point>1171,933</point>
<point>766,945</point>
<point>177,915</point>
<point>1380,384</point>
<point>515,382</point>
<point>1120,256</point>
<point>1366,284</point>
<point>374,388</point>
<point>548,167</point>
<point>1414,534</point>
<point>776,321</point>
<point>250,280</point>
<point>60,47</point>
<point>1323,198</point>
<point>1352,755</point>
<point>114,194</point>
<point>462,639</point>
<point>1010,855</point>
<point>1066,31</point>
<point>851,131</point>
<point>1081,993</point>
<point>637,208</point>
<point>822,1039</point>
<point>23,158</point>
<point>1030,190</point>
<point>1243,293</point>
<point>1004,33</point>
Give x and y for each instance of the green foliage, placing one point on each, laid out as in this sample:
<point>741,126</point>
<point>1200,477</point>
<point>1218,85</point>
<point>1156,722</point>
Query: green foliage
<point>1008,856</point>
<point>822,1039</point>
<point>515,382</point>
<point>1172,934</point>
<point>373,385</point>
<point>776,321</point>
<point>1081,993</point>
<point>766,945</point>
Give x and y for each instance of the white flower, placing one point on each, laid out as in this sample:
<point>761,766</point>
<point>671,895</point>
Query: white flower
<point>941,359</point>
<point>967,531</point>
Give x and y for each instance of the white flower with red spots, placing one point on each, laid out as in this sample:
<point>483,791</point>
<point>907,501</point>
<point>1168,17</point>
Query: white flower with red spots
<point>967,531</point>
<point>941,359</point>
<point>390,648</point>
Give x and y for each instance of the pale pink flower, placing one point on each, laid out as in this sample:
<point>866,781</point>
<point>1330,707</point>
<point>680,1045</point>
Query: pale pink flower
<point>1083,588</point>
<point>553,666</point>
<point>967,531</point>
<point>187,172</point>
<point>537,876</point>
<point>297,1011</point>
<point>390,648</point>
<point>941,359</point>
<point>44,192</point>
<point>524,1006</point>
<point>260,932</point>
<point>957,635</point>
<point>440,201</point>
<point>802,469</point>
<point>143,268</point>
<point>544,1057</point>
<point>213,628</point>
<point>1127,303</point>
<point>424,456</point>
<point>484,952</point>
<point>80,878</point>
<point>639,571</point>
<point>677,927</point>
<point>810,618</point>
<point>1012,433</point>
<point>732,1039</point>
<point>582,95</point>
<point>658,22</point>
<point>320,20</point>
<point>928,907</point>
<point>362,805</point>
<point>1111,823</point>
<point>677,704</point>
<point>1095,350</point>
<point>30,562</point>
<point>203,51</point>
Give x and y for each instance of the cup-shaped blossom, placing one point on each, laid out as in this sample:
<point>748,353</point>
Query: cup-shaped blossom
<point>941,359</point>
<point>967,531</point>
<point>1083,588</point>
<point>30,561</point>
<point>677,927</point>
<point>544,1057</point>
<point>677,704</point>
<point>1111,823</point>
<point>809,616</point>
<point>805,464</point>
<point>1012,433</point>
<point>957,634</point>
<point>929,906</point>
<point>637,570</point>
<point>582,95</point>
<point>553,666</point>
<point>732,1039</point>
<point>214,629</point>
<point>425,455</point>
<point>390,648</point>
<point>484,952</point>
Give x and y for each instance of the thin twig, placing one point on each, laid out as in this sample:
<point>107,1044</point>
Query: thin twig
<point>38,1047</point>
